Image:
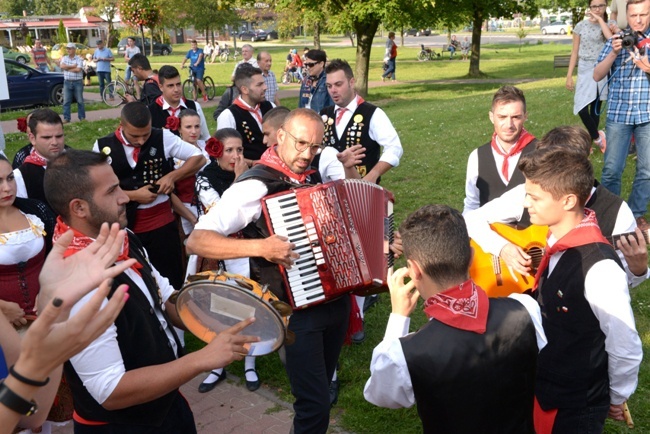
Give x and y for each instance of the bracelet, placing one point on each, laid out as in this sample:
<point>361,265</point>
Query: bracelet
<point>26,380</point>
<point>15,402</point>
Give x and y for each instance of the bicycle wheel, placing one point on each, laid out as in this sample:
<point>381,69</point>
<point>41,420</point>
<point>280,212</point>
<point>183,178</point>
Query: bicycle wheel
<point>114,94</point>
<point>286,78</point>
<point>209,87</point>
<point>223,57</point>
<point>188,89</point>
<point>422,56</point>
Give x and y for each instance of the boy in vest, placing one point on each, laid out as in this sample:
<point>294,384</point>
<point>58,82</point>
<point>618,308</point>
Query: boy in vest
<point>590,365</point>
<point>471,368</point>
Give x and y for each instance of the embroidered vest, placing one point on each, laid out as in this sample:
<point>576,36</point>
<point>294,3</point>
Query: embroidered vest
<point>159,116</point>
<point>251,134</point>
<point>357,131</point>
<point>572,367</point>
<point>466,382</point>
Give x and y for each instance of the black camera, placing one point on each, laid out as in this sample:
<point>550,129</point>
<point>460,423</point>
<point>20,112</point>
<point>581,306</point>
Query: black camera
<point>628,38</point>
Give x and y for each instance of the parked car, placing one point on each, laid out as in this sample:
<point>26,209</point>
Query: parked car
<point>271,34</point>
<point>158,47</point>
<point>420,32</point>
<point>255,35</point>
<point>59,50</point>
<point>15,55</point>
<point>28,86</point>
<point>556,27</point>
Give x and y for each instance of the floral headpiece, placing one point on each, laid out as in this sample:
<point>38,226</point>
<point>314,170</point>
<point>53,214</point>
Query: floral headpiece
<point>22,124</point>
<point>214,147</point>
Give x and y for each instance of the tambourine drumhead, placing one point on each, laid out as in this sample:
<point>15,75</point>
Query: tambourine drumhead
<point>207,308</point>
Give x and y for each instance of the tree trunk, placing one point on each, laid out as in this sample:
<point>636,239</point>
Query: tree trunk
<point>365,33</point>
<point>402,35</point>
<point>317,35</point>
<point>142,36</point>
<point>151,43</point>
<point>475,57</point>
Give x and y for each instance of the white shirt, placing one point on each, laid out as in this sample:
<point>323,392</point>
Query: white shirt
<point>472,194</point>
<point>329,165</point>
<point>205,133</point>
<point>100,366</point>
<point>251,61</point>
<point>173,146</point>
<point>227,120</point>
<point>508,208</point>
<point>381,130</point>
<point>607,293</point>
<point>390,384</point>
<point>21,187</point>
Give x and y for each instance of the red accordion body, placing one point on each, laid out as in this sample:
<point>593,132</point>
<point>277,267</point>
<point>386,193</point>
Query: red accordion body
<point>342,231</point>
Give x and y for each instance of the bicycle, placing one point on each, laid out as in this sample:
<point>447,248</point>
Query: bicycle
<point>427,54</point>
<point>115,92</point>
<point>290,76</point>
<point>190,88</point>
<point>226,55</point>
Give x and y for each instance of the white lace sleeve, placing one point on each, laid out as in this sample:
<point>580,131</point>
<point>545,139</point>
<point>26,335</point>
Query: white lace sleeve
<point>207,195</point>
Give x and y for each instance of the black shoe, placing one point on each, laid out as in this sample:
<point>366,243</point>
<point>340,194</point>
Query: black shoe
<point>206,387</point>
<point>370,302</point>
<point>253,385</point>
<point>360,336</point>
<point>334,392</point>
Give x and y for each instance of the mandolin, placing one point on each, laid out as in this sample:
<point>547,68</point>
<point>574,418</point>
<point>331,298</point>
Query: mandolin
<point>491,273</point>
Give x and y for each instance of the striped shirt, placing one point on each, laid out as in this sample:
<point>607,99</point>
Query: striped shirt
<point>629,90</point>
<point>271,86</point>
<point>76,61</point>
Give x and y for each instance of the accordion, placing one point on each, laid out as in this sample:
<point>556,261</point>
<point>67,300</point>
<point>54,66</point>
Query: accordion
<point>342,231</point>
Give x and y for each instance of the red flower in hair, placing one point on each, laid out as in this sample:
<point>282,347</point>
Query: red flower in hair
<point>22,124</point>
<point>214,147</point>
<point>173,123</point>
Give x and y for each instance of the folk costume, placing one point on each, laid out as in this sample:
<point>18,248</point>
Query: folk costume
<point>161,111</point>
<point>491,171</point>
<point>247,121</point>
<point>95,372</point>
<point>469,369</point>
<point>30,176</point>
<point>593,354</point>
<point>135,167</point>
<point>361,123</point>
<point>320,330</point>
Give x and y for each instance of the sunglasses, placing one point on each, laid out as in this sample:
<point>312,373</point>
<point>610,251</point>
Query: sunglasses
<point>311,64</point>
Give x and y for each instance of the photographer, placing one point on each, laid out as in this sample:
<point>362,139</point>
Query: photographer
<point>628,110</point>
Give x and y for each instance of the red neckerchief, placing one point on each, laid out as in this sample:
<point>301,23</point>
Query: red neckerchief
<point>464,307</point>
<point>81,241</point>
<point>36,159</point>
<point>122,140</point>
<point>161,102</point>
<point>254,111</point>
<point>271,159</point>
<point>524,139</point>
<point>586,232</point>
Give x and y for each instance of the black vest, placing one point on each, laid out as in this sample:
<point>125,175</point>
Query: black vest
<point>263,271</point>
<point>489,182</point>
<point>34,175</point>
<point>142,341</point>
<point>251,134</point>
<point>151,166</point>
<point>466,382</point>
<point>357,131</point>
<point>159,116</point>
<point>606,206</point>
<point>218,178</point>
<point>572,367</point>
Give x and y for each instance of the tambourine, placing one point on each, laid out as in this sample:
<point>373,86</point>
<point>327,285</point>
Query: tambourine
<point>212,302</point>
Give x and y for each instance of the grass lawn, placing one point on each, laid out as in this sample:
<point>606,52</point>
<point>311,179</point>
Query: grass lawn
<point>439,125</point>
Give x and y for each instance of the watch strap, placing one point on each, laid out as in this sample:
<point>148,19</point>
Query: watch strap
<point>15,402</point>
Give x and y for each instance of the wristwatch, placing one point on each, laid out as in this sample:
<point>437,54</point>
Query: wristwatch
<point>15,402</point>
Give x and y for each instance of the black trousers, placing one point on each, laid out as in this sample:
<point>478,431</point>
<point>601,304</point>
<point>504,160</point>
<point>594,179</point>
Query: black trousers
<point>165,253</point>
<point>587,420</point>
<point>311,361</point>
<point>179,420</point>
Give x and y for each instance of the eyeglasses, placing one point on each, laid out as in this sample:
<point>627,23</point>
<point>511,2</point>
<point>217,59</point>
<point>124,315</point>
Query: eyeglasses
<point>311,64</point>
<point>597,6</point>
<point>302,145</point>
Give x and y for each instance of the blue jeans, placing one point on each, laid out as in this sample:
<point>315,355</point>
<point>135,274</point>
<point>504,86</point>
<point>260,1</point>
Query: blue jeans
<point>43,67</point>
<point>73,89</point>
<point>104,78</point>
<point>391,69</point>
<point>618,143</point>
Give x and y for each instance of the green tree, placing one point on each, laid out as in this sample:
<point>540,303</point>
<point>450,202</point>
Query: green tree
<point>576,7</point>
<point>109,9</point>
<point>16,7</point>
<point>139,14</point>
<point>61,34</point>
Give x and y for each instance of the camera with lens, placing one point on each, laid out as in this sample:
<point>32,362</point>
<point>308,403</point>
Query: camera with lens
<point>628,38</point>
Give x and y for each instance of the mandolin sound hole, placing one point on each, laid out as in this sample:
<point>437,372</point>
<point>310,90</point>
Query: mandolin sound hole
<point>536,254</point>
